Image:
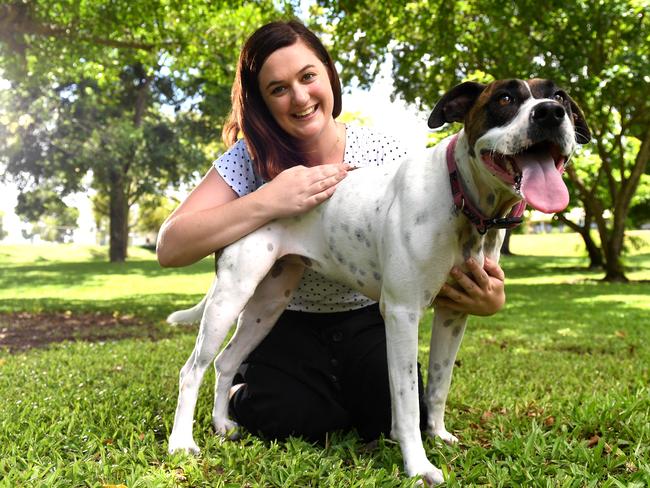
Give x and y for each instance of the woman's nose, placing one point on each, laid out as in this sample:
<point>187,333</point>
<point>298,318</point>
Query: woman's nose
<point>300,95</point>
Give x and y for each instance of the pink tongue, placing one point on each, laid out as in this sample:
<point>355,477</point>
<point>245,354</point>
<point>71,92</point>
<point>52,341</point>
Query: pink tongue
<point>541,183</point>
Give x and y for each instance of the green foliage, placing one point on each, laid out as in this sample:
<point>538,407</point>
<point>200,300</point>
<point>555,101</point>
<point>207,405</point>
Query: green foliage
<point>134,94</point>
<point>598,51</point>
<point>552,391</point>
<point>50,217</point>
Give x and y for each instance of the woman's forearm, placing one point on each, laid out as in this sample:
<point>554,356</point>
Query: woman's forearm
<point>190,236</point>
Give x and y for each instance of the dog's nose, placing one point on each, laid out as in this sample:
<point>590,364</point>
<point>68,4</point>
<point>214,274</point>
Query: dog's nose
<point>548,114</point>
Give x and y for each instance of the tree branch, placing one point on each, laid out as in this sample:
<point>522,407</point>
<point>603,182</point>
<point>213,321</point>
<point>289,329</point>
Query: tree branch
<point>15,20</point>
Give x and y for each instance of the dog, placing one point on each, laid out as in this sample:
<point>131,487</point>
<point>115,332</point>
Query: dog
<point>411,223</point>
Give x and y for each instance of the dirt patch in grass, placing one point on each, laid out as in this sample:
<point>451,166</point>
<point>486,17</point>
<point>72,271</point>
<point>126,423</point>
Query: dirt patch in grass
<point>22,331</point>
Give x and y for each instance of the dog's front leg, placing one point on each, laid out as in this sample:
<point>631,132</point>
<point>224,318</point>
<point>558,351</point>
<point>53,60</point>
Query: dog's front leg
<point>255,322</point>
<point>402,350</point>
<point>446,335</point>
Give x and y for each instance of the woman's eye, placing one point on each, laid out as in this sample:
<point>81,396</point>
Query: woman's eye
<point>277,90</point>
<point>308,76</point>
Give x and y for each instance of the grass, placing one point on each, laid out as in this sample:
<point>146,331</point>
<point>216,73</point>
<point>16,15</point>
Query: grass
<point>552,391</point>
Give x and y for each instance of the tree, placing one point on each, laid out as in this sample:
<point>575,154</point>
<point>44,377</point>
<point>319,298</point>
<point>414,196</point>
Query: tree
<point>598,50</point>
<point>50,217</point>
<point>133,93</point>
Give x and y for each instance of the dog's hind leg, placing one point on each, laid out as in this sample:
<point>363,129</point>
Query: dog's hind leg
<point>446,335</point>
<point>239,276</point>
<point>258,318</point>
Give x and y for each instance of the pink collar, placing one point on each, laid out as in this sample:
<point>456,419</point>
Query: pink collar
<point>465,205</point>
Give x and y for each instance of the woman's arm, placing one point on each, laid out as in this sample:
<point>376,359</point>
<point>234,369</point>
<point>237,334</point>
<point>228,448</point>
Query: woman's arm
<point>212,216</point>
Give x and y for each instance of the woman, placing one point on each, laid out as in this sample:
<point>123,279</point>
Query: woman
<point>323,366</point>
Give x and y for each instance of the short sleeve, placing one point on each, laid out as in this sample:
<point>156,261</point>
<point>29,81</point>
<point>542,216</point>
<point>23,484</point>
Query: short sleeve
<point>236,168</point>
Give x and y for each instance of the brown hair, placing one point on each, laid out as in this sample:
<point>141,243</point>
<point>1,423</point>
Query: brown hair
<point>271,148</point>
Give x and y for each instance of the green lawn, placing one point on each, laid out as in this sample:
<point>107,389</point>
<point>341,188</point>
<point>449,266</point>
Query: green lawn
<point>553,391</point>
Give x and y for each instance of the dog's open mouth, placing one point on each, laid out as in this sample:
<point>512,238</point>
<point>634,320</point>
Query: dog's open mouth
<point>536,173</point>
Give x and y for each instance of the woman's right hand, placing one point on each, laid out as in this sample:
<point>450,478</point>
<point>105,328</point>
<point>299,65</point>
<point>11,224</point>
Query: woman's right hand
<point>300,188</point>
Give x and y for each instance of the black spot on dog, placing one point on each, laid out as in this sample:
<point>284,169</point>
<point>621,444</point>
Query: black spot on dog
<point>361,283</point>
<point>287,293</point>
<point>276,270</point>
<point>340,258</point>
<point>269,246</point>
<point>421,218</point>
<point>362,272</point>
<point>446,363</point>
<point>412,317</point>
<point>376,276</point>
<point>352,267</point>
<point>346,228</point>
<point>437,367</point>
<point>457,330</point>
<point>257,321</point>
<point>468,246</point>
<point>448,322</point>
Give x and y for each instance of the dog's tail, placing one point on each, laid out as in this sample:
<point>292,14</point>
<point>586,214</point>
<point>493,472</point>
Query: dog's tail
<point>194,314</point>
<point>189,315</point>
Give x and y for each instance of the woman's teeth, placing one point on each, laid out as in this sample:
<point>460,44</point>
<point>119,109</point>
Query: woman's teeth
<point>305,113</point>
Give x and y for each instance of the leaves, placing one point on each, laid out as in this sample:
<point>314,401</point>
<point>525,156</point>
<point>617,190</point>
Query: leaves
<point>132,93</point>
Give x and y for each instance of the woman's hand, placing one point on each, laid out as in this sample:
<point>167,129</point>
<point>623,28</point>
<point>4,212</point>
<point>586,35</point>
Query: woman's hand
<point>300,188</point>
<point>482,293</point>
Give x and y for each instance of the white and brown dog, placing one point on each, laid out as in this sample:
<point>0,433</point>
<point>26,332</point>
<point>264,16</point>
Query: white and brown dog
<point>394,233</point>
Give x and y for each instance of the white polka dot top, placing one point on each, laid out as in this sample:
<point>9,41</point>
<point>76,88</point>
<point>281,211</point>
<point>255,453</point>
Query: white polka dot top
<point>363,147</point>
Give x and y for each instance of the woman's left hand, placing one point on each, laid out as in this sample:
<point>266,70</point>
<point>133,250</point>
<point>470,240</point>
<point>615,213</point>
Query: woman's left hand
<point>480,292</point>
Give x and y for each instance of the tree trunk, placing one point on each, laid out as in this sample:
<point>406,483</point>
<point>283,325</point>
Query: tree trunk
<point>614,271</point>
<point>119,212</point>
<point>595,254</point>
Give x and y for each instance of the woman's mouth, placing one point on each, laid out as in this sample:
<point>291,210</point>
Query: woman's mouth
<point>305,113</point>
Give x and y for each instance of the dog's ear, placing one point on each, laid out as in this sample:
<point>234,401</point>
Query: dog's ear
<point>583,133</point>
<point>454,105</point>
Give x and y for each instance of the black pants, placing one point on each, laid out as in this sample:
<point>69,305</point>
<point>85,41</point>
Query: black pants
<point>316,373</point>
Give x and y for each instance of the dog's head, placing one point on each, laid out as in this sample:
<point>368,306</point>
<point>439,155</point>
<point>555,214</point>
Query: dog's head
<point>523,132</point>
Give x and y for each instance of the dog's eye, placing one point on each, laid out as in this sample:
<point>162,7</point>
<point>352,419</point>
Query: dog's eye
<point>505,100</point>
<point>558,97</point>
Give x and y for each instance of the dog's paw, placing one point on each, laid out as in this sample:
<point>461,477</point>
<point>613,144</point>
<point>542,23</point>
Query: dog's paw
<point>188,446</point>
<point>444,435</point>
<point>429,475</point>
<point>227,428</point>
<point>432,478</point>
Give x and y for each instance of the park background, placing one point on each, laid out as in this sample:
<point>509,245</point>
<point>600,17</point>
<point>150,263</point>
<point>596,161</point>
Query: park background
<point>122,103</point>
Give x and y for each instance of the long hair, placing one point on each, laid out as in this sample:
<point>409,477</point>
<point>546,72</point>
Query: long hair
<point>272,149</point>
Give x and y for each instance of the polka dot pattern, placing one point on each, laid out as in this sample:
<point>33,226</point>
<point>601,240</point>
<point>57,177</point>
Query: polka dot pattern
<point>364,147</point>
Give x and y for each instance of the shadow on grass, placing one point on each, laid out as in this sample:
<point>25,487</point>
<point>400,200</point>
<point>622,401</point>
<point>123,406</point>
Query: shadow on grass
<point>146,307</point>
<point>522,266</point>
<point>61,274</point>
<point>38,323</point>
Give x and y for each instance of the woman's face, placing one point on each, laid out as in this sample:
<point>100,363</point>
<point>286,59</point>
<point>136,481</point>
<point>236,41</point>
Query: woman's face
<point>296,88</point>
